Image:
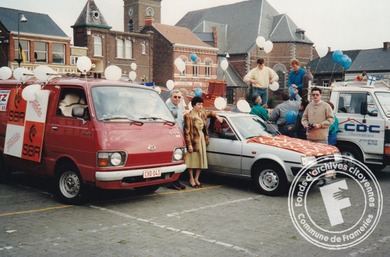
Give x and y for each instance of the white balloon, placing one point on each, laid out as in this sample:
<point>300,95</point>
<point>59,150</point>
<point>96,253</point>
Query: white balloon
<point>268,46</point>
<point>5,73</point>
<point>260,41</point>
<point>220,103</point>
<point>29,92</point>
<point>22,74</point>
<point>43,72</point>
<point>170,84</point>
<point>132,75</point>
<point>243,106</point>
<point>158,90</point>
<point>274,86</point>
<point>84,64</point>
<point>322,50</point>
<point>113,72</point>
<point>133,66</point>
<point>180,64</point>
<point>224,64</point>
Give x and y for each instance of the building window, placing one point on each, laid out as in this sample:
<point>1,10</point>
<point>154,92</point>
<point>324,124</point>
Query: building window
<point>73,60</point>
<point>40,52</point>
<point>143,48</point>
<point>195,70</point>
<point>119,48</point>
<point>131,25</point>
<point>207,71</point>
<point>97,46</point>
<point>124,49</point>
<point>25,54</point>
<point>128,49</point>
<point>58,53</point>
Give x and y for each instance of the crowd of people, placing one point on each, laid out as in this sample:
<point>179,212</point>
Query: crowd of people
<point>294,117</point>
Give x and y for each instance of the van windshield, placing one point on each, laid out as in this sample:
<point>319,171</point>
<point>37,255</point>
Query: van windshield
<point>384,102</point>
<point>121,104</point>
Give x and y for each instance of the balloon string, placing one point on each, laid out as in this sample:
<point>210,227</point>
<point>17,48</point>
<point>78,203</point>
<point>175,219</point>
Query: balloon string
<point>315,71</point>
<point>331,76</point>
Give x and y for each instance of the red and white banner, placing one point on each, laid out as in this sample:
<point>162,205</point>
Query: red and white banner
<point>26,125</point>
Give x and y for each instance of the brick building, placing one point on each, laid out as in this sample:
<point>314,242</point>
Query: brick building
<point>237,37</point>
<point>41,45</point>
<point>107,47</point>
<point>171,42</point>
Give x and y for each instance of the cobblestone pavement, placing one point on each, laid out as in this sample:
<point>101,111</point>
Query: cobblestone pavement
<point>225,218</point>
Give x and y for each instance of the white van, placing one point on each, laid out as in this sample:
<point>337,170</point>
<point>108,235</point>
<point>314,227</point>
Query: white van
<point>364,121</point>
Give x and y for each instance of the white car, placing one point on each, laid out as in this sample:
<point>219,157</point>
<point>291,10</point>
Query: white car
<point>246,146</point>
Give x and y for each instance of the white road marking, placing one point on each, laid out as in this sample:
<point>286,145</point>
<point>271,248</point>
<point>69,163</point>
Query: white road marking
<point>184,232</point>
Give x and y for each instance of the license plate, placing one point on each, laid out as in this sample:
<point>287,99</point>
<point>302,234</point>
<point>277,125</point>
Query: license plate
<point>152,173</point>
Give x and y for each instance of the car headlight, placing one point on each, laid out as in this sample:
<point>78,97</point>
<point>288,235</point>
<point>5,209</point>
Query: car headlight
<point>109,159</point>
<point>178,154</point>
<point>305,160</point>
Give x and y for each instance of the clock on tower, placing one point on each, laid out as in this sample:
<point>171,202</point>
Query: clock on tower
<point>136,11</point>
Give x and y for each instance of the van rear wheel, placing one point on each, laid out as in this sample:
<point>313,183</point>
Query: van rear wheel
<point>4,173</point>
<point>69,185</point>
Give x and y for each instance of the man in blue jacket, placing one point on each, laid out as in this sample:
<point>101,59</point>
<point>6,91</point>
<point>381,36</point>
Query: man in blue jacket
<point>295,79</point>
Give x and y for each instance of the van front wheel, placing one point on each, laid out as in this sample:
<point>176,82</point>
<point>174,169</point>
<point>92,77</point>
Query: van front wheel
<point>69,185</point>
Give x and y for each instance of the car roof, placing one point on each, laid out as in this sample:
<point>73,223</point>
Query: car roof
<point>232,114</point>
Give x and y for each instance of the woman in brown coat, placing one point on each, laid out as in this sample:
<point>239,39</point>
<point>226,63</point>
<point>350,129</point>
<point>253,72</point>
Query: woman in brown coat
<point>197,138</point>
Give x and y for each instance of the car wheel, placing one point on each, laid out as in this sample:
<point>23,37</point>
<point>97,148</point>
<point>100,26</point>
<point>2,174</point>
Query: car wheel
<point>351,151</point>
<point>69,185</point>
<point>147,189</point>
<point>270,179</point>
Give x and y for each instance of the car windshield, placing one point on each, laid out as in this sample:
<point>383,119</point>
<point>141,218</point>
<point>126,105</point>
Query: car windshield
<point>252,126</point>
<point>129,104</point>
<point>384,102</point>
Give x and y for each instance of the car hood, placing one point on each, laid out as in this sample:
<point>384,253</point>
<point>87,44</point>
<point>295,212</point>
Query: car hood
<point>297,145</point>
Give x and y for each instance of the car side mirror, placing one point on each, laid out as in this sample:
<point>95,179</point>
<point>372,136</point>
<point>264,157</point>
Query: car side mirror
<point>363,108</point>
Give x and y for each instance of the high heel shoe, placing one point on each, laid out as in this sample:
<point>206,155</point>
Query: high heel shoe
<point>199,185</point>
<point>193,185</point>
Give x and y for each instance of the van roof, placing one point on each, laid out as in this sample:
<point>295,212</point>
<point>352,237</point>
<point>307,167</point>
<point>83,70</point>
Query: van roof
<point>68,81</point>
<point>360,86</point>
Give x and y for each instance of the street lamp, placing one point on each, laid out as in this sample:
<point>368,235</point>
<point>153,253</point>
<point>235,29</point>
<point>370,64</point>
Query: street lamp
<point>21,19</point>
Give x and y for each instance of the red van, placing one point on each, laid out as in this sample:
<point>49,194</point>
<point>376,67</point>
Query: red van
<point>80,131</point>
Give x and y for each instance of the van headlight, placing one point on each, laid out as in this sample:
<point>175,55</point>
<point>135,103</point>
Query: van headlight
<point>305,160</point>
<point>178,154</point>
<point>111,159</point>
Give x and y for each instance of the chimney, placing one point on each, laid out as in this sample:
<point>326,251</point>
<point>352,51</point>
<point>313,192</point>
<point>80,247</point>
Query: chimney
<point>215,36</point>
<point>386,46</point>
<point>149,21</point>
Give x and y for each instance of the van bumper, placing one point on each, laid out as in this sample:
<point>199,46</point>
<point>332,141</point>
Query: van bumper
<point>134,178</point>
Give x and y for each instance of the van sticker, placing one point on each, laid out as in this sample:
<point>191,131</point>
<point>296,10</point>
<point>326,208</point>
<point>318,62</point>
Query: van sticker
<point>4,96</point>
<point>26,125</point>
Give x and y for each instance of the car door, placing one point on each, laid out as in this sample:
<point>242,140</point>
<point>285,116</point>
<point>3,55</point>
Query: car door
<point>365,130</point>
<point>224,152</point>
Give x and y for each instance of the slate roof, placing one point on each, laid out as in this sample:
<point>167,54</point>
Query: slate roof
<point>241,23</point>
<point>179,35</point>
<point>37,23</point>
<point>326,64</point>
<point>371,60</point>
<point>231,76</point>
<point>91,16</point>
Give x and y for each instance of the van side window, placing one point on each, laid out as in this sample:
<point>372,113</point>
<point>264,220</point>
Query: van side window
<point>70,98</point>
<point>351,102</point>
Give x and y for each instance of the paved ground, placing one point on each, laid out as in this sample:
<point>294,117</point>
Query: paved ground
<point>225,218</point>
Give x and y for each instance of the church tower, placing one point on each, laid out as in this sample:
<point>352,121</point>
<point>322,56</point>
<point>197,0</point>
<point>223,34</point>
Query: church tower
<point>136,12</point>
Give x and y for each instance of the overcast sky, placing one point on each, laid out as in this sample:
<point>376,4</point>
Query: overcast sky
<point>339,24</point>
